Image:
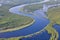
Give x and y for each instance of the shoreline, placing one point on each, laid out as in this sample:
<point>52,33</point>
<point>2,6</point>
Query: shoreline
<point>30,35</point>
<point>18,28</point>
<point>28,24</point>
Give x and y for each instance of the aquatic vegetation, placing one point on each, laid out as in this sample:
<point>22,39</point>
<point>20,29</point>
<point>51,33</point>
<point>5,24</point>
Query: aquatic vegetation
<point>52,31</point>
<point>54,17</point>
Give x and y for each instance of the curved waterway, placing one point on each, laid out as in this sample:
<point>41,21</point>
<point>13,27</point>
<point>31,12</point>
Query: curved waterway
<point>40,23</point>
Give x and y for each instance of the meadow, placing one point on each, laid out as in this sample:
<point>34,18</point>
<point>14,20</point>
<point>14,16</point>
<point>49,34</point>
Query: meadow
<point>32,7</point>
<point>54,17</point>
<point>10,20</point>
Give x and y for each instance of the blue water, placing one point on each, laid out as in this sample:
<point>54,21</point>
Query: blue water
<point>40,23</point>
<point>43,36</point>
<point>37,26</point>
<point>57,27</point>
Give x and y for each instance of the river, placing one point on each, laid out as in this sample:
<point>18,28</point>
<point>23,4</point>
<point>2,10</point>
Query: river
<point>40,23</point>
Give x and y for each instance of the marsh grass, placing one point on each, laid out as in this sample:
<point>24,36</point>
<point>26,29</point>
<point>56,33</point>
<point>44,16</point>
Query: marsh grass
<point>54,17</point>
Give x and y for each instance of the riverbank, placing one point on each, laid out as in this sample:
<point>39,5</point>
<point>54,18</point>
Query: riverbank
<point>29,35</point>
<point>19,28</point>
<point>55,11</point>
<point>18,38</point>
<point>54,17</point>
<point>29,8</point>
<point>11,22</point>
<point>50,30</point>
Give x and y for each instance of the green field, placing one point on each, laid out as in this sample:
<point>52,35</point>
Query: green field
<point>54,17</point>
<point>31,8</point>
<point>54,14</point>
<point>12,21</point>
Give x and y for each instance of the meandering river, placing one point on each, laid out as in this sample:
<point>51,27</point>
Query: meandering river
<point>40,23</point>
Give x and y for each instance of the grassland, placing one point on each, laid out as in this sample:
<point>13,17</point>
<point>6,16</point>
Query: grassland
<point>11,17</point>
<point>10,21</point>
<point>52,31</point>
<point>54,17</point>
<point>10,39</point>
<point>54,14</point>
<point>31,8</point>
